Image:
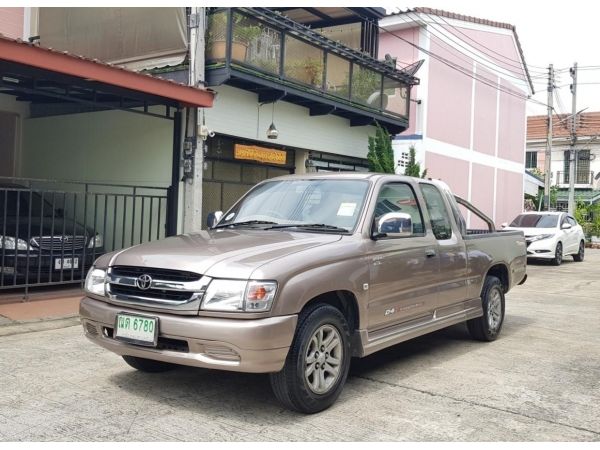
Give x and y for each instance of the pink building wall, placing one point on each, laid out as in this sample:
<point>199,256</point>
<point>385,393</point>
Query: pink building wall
<point>406,54</point>
<point>449,98</point>
<point>482,192</point>
<point>484,120</point>
<point>486,125</point>
<point>457,178</point>
<point>511,130</point>
<point>11,22</point>
<point>509,187</point>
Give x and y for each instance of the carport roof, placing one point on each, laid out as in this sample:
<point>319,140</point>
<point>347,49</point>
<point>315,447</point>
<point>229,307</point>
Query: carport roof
<point>92,70</point>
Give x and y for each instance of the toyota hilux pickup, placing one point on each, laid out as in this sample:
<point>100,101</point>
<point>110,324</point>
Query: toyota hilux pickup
<point>303,273</point>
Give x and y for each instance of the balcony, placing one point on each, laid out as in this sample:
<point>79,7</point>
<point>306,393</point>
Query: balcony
<point>262,51</point>
<point>583,179</point>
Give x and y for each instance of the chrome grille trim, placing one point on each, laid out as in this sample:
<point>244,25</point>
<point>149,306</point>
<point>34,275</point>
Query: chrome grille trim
<point>58,243</point>
<point>152,300</point>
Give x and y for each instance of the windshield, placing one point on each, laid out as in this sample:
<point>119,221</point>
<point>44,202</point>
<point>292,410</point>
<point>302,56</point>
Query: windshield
<point>13,200</point>
<point>336,203</point>
<point>535,221</point>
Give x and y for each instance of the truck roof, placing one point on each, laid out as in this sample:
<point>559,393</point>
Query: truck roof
<point>343,175</point>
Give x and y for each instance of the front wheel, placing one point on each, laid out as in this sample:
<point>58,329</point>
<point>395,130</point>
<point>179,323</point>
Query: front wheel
<point>581,253</point>
<point>488,326</point>
<point>558,255</point>
<point>317,364</point>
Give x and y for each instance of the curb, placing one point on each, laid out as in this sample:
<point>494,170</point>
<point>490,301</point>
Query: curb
<point>34,326</point>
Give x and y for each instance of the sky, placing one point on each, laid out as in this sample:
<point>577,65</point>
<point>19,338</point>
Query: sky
<point>550,32</point>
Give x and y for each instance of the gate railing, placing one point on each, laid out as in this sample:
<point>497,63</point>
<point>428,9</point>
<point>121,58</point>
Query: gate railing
<point>52,231</point>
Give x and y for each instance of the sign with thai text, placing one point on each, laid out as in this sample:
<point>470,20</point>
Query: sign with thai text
<point>260,154</point>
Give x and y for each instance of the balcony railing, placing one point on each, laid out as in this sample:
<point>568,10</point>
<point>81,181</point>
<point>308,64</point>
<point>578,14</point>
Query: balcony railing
<point>269,45</point>
<point>582,177</point>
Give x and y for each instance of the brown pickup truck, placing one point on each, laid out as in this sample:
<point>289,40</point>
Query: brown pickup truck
<point>301,274</point>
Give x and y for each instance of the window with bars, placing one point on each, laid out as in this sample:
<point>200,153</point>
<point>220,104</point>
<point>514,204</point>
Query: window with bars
<point>530,160</point>
<point>582,167</point>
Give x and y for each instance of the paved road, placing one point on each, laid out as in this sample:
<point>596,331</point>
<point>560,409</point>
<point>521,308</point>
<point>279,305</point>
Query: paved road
<point>539,381</point>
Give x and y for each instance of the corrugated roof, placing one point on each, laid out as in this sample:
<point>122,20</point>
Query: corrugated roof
<point>471,19</point>
<point>588,125</point>
<point>18,51</point>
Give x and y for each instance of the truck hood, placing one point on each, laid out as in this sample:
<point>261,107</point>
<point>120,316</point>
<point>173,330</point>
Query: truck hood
<point>221,253</point>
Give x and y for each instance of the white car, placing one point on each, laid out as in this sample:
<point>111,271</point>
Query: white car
<point>550,235</point>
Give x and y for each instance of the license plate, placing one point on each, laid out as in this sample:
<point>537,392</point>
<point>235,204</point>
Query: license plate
<point>66,263</point>
<point>136,329</point>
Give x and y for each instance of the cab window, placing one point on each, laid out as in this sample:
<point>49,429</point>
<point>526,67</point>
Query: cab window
<point>438,214</point>
<point>399,197</point>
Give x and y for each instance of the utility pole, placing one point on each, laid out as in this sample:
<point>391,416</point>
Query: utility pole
<point>193,148</point>
<point>573,152</point>
<point>548,160</point>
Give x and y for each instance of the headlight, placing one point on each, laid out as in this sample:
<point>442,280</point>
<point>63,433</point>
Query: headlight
<point>94,282</point>
<point>236,295</point>
<point>539,237</point>
<point>9,243</point>
<point>96,241</point>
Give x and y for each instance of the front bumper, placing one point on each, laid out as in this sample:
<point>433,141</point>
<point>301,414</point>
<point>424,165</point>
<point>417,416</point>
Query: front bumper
<point>241,345</point>
<point>544,248</point>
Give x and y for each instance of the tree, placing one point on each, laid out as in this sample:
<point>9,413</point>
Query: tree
<point>381,155</point>
<point>413,168</point>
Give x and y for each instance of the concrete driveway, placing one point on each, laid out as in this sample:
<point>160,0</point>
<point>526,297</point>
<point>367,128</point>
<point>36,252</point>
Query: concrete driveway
<point>540,381</point>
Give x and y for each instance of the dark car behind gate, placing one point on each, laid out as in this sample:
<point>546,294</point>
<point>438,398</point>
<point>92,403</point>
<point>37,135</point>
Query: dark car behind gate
<point>51,232</point>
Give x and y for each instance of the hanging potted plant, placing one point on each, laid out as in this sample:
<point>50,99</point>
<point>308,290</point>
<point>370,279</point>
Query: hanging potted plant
<point>216,38</point>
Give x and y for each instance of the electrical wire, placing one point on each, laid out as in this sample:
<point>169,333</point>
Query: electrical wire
<point>462,69</point>
<point>520,65</point>
<point>494,67</point>
<point>467,72</point>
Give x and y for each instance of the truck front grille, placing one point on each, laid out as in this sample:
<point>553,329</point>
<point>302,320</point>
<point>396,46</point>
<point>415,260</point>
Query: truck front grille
<point>156,288</point>
<point>156,273</point>
<point>161,294</point>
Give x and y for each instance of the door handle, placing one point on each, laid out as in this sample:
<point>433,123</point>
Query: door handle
<point>430,253</point>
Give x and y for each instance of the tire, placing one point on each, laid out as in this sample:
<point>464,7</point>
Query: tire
<point>147,365</point>
<point>558,255</point>
<point>581,253</point>
<point>488,326</point>
<point>298,387</point>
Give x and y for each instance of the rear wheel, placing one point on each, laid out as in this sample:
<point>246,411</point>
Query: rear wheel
<point>488,326</point>
<point>581,253</point>
<point>147,365</point>
<point>317,364</point>
<point>558,255</point>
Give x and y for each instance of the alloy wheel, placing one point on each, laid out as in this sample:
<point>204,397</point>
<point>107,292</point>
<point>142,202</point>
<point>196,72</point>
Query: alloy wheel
<point>494,309</point>
<point>323,359</point>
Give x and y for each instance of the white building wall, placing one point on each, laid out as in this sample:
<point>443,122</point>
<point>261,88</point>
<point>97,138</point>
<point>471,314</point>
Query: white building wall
<point>236,113</point>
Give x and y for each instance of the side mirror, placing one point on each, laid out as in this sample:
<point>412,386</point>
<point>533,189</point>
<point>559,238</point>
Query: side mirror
<point>566,226</point>
<point>504,225</point>
<point>213,218</point>
<point>394,225</point>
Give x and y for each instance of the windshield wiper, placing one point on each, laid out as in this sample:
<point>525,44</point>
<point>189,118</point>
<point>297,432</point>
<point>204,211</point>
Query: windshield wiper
<point>246,222</point>
<point>310,226</point>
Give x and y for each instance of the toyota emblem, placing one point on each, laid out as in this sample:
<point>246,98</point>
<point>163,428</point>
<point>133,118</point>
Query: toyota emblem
<point>144,282</point>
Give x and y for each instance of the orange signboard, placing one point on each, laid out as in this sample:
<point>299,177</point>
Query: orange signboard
<point>261,154</point>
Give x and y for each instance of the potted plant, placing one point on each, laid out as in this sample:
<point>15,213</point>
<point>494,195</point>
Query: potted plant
<point>244,32</point>
<point>308,71</point>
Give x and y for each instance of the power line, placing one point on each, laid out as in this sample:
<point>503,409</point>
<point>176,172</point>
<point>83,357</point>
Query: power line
<point>462,69</point>
<point>520,64</point>
<point>493,66</point>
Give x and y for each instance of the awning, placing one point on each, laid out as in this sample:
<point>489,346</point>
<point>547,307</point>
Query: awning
<point>93,72</point>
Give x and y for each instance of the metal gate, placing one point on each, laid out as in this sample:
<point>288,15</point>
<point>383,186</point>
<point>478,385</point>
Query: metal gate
<point>52,231</point>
